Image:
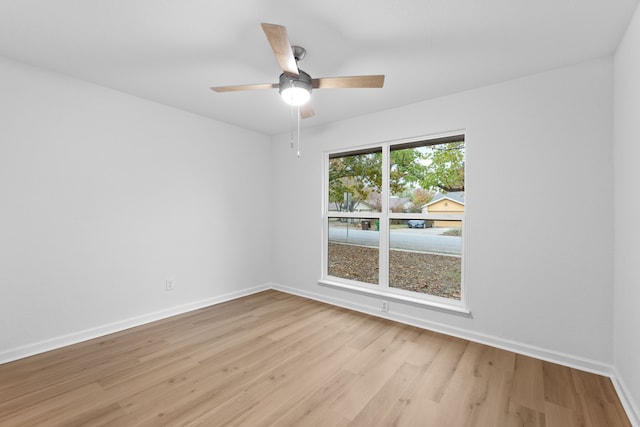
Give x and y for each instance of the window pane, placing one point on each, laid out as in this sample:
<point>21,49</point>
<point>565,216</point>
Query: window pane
<point>353,249</point>
<point>422,174</point>
<point>355,182</point>
<point>426,256</point>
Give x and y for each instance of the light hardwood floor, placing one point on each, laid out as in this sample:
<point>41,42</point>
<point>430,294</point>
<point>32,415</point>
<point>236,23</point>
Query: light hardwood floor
<point>276,359</point>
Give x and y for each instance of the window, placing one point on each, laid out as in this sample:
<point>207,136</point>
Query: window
<point>394,219</point>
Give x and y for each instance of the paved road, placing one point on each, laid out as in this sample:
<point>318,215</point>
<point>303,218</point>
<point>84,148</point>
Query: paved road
<point>412,239</point>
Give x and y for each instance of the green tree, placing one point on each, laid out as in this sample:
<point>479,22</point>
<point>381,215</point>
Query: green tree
<point>421,197</point>
<point>434,168</point>
<point>445,169</point>
<point>406,168</point>
<point>359,175</point>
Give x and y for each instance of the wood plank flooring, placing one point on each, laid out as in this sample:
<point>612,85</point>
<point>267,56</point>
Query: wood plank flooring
<point>273,359</point>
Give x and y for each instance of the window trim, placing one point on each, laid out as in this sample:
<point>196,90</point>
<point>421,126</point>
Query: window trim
<point>357,287</point>
<point>383,290</point>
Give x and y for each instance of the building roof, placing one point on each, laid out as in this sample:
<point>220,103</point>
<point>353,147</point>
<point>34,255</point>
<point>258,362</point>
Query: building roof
<point>455,196</point>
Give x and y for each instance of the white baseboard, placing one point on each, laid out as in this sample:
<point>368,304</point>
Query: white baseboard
<point>633,412</point>
<point>87,334</point>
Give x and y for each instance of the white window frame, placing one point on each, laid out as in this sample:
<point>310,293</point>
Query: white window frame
<point>382,289</point>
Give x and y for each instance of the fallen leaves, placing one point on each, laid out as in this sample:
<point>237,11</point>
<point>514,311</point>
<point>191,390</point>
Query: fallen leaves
<point>428,273</point>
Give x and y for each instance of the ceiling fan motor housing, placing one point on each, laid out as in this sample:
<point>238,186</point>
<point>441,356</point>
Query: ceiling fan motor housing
<point>295,90</point>
<point>302,81</point>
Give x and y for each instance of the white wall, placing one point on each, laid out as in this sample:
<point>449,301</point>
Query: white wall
<point>627,207</point>
<point>103,196</point>
<point>538,271</point>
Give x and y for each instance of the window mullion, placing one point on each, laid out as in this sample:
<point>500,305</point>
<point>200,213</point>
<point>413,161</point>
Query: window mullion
<point>383,272</point>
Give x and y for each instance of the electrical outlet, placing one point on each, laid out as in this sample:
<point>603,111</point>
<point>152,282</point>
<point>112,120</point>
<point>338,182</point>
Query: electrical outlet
<point>385,307</point>
<point>169,285</point>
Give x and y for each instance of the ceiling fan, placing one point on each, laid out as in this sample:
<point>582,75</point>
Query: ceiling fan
<point>295,85</point>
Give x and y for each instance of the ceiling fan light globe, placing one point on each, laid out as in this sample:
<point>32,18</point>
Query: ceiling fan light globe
<point>294,95</point>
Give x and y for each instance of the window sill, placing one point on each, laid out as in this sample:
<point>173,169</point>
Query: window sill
<point>396,297</point>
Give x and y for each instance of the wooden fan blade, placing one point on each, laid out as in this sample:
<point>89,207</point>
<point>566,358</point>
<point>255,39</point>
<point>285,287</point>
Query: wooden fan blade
<point>245,87</point>
<point>277,37</point>
<point>348,82</point>
<point>306,111</point>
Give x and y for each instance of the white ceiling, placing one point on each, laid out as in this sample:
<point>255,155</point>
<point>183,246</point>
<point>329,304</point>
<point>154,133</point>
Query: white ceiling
<point>172,51</point>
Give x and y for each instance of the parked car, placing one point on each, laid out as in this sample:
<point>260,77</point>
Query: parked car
<point>415,223</point>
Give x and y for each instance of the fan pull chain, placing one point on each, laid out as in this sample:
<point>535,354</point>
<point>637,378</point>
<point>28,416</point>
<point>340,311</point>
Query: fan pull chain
<point>292,119</point>
<point>298,114</point>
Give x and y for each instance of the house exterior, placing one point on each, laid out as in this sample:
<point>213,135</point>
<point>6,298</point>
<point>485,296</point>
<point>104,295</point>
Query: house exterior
<point>365,206</point>
<point>400,204</point>
<point>396,204</point>
<point>450,203</point>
